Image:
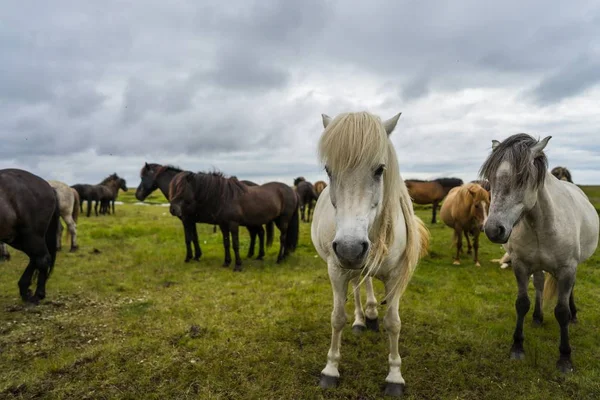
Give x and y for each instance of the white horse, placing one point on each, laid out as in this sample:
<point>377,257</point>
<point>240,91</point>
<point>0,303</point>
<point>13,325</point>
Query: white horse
<point>546,225</point>
<point>68,202</point>
<point>364,222</point>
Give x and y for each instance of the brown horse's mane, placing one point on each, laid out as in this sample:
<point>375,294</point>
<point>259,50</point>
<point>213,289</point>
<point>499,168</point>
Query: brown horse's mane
<point>110,178</point>
<point>211,190</point>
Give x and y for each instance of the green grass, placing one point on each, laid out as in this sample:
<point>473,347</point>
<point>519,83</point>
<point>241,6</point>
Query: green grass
<point>125,317</point>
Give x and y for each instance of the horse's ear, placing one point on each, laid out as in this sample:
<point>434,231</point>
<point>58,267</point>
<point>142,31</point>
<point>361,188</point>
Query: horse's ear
<point>390,124</point>
<point>146,164</point>
<point>473,190</point>
<point>326,120</point>
<point>495,144</point>
<point>536,150</point>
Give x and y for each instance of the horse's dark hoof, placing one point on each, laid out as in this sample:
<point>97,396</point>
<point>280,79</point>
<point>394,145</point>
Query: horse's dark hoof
<point>74,249</point>
<point>517,354</point>
<point>538,321</point>
<point>372,324</point>
<point>358,329</point>
<point>197,258</point>
<point>187,259</point>
<point>394,389</point>
<point>565,365</point>
<point>35,299</point>
<point>226,265</point>
<point>329,382</point>
<point>574,320</point>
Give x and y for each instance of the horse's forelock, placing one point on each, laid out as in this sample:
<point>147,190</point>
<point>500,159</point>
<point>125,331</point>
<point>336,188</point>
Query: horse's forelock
<point>516,150</point>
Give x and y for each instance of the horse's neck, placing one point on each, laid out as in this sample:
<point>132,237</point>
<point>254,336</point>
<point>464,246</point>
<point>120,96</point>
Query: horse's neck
<point>164,180</point>
<point>543,212</point>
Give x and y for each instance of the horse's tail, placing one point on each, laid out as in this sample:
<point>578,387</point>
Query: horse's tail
<point>270,233</point>
<point>550,287</point>
<point>293,231</point>
<point>76,201</point>
<point>51,232</point>
<point>424,237</point>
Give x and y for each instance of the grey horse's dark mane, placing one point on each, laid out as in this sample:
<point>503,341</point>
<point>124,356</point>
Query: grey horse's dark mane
<point>516,150</point>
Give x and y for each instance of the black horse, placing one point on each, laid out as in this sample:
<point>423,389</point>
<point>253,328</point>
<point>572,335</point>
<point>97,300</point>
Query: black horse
<point>83,190</point>
<point>156,176</point>
<point>308,197</point>
<point>230,203</point>
<point>29,219</point>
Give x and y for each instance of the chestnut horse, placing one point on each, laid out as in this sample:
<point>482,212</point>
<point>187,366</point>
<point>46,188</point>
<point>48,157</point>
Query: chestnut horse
<point>431,192</point>
<point>465,210</point>
<point>319,187</point>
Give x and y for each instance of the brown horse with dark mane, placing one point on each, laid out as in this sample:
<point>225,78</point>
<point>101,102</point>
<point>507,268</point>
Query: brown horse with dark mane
<point>562,174</point>
<point>230,203</point>
<point>431,192</point>
<point>307,196</point>
<point>29,218</point>
<point>157,176</point>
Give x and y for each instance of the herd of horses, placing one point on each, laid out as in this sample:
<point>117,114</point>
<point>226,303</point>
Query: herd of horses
<point>362,223</point>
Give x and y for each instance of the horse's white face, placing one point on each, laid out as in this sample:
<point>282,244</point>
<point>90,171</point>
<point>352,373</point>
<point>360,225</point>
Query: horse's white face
<point>356,196</point>
<point>509,202</point>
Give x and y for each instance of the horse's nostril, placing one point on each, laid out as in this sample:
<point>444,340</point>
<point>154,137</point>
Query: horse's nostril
<point>365,247</point>
<point>501,231</point>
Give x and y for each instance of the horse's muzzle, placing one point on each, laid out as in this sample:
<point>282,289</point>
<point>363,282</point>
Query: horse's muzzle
<point>497,232</point>
<point>175,211</point>
<point>351,253</point>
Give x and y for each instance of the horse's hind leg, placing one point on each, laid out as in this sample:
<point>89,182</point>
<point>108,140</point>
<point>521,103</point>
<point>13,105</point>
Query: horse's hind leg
<point>538,283</point>
<point>359,325</point>
<point>187,231</point>
<point>235,239</point>
<point>476,249</point>
<point>522,305</point>
<point>283,251</point>
<point>72,227</point>
<point>394,380</point>
<point>572,307</point>
<point>458,244</point>
<point>197,249</point>
<point>252,233</point>
<point>434,207</point>
<point>25,280</point>
<point>261,243</point>
<point>225,232</point>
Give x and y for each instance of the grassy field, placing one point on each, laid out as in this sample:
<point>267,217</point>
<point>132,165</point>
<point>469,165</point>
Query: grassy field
<point>126,318</point>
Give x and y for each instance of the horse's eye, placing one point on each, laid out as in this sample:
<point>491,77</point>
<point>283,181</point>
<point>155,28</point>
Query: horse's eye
<point>379,171</point>
<point>327,170</point>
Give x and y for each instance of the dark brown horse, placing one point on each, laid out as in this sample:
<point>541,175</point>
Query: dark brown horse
<point>83,190</point>
<point>431,192</point>
<point>230,204</point>
<point>307,195</point>
<point>29,218</point>
<point>113,182</point>
<point>156,176</point>
<point>562,173</point>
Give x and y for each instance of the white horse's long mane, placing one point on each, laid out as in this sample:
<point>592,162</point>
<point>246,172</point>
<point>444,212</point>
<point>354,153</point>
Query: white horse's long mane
<point>359,141</point>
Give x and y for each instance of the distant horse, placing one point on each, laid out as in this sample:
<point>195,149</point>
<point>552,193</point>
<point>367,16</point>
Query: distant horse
<point>431,192</point>
<point>307,195</point>
<point>562,173</point>
<point>83,190</point>
<point>465,210</point>
<point>364,221</point>
<point>156,176</point>
<point>546,225</point>
<point>114,182</point>
<point>29,218</point>
<point>226,201</point>
<point>319,187</point>
<point>298,180</point>
<point>68,203</point>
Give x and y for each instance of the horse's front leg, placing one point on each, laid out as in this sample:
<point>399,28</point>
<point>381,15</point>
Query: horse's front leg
<point>261,243</point>
<point>522,305</point>
<point>252,233</point>
<point>235,238</point>
<point>330,375</point>
<point>562,312</point>
<point>391,321</point>
<point>434,206</point>
<point>476,248</point>
<point>187,230</point>
<point>458,244</point>
<point>469,248</point>
<point>197,249</point>
<point>359,325</point>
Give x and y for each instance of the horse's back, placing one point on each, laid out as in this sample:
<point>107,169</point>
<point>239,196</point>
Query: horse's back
<point>65,196</point>
<point>448,212</point>
<point>588,221</point>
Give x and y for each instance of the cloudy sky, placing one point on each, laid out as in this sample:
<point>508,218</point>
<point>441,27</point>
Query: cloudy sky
<point>88,88</point>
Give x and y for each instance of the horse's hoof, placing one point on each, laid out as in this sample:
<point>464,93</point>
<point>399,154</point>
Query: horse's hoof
<point>394,389</point>
<point>517,355</point>
<point>456,262</point>
<point>372,324</point>
<point>187,259</point>
<point>504,266</point>
<point>226,265</point>
<point>329,382</point>
<point>564,365</point>
<point>358,329</point>
<point>260,258</point>
<point>538,321</point>
<point>477,264</point>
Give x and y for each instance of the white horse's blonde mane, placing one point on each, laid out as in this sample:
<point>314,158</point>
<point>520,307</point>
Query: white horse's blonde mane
<point>359,141</point>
